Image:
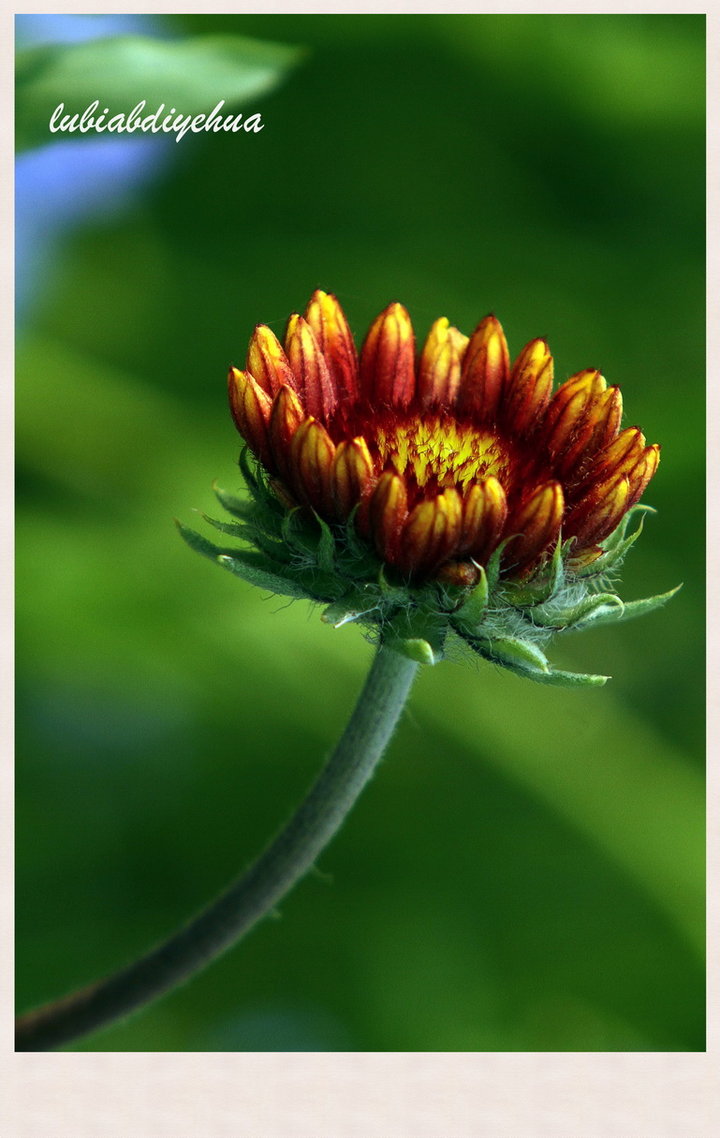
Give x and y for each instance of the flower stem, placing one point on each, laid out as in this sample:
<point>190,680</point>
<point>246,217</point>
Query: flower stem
<point>254,894</point>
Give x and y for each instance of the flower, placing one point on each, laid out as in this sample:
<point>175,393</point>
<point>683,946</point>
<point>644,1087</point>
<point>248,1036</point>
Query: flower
<point>446,457</point>
<point>433,494</point>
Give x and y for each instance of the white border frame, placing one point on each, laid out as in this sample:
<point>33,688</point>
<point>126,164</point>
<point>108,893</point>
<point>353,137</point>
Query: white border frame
<point>366,1095</point>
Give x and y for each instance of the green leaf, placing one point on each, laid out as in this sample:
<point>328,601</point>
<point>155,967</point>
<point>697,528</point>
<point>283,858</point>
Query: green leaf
<point>191,75</point>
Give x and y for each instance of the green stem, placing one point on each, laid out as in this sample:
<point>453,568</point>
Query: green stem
<point>258,890</point>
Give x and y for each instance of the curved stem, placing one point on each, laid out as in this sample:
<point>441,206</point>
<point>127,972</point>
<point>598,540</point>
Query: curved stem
<point>255,893</point>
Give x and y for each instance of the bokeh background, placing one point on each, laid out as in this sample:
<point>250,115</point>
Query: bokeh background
<point>525,872</point>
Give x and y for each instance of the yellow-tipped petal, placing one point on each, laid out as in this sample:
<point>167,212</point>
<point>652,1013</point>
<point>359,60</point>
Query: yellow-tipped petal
<point>267,362</point>
<point>310,368</point>
<point>387,359</point>
<point>388,511</point>
<point>251,408</point>
<point>593,521</point>
<point>568,414</point>
<point>643,472</point>
<point>624,451</point>
<point>484,515</point>
<point>485,371</point>
<point>600,427</point>
<point>537,523</point>
<point>439,370</point>
<point>352,475</point>
<point>332,332</point>
<point>609,414</point>
<point>311,454</point>
<point>529,387</point>
<point>286,416</point>
<point>431,533</point>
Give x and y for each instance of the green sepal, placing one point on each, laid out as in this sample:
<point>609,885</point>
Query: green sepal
<point>616,555</point>
<point>253,571</point>
<point>513,652</point>
<point>253,534</point>
<point>257,483</point>
<point>616,545</point>
<point>557,678</point>
<point>325,549</point>
<point>199,543</point>
<point>349,608</point>
<point>358,548</point>
<point>423,629</point>
<point>544,585</point>
<point>414,649</point>
<point>233,529</point>
<point>492,570</point>
<point>591,609</point>
<point>242,508</point>
<point>394,595</point>
<point>252,567</point>
<point>296,533</point>
<point>632,609</point>
<point>470,614</point>
<point>249,471</point>
<point>617,538</point>
<point>528,662</point>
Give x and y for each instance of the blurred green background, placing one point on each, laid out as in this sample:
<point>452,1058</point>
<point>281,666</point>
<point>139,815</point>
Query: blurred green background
<point>525,872</point>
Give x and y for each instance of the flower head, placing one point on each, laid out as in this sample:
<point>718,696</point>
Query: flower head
<point>420,492</point>
<point>444,457</point>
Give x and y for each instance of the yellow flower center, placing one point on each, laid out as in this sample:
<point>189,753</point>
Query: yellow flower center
<point>439,450</point>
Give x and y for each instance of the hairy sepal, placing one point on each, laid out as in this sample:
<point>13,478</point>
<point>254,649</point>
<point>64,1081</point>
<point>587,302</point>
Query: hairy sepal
<point>507,620</point>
